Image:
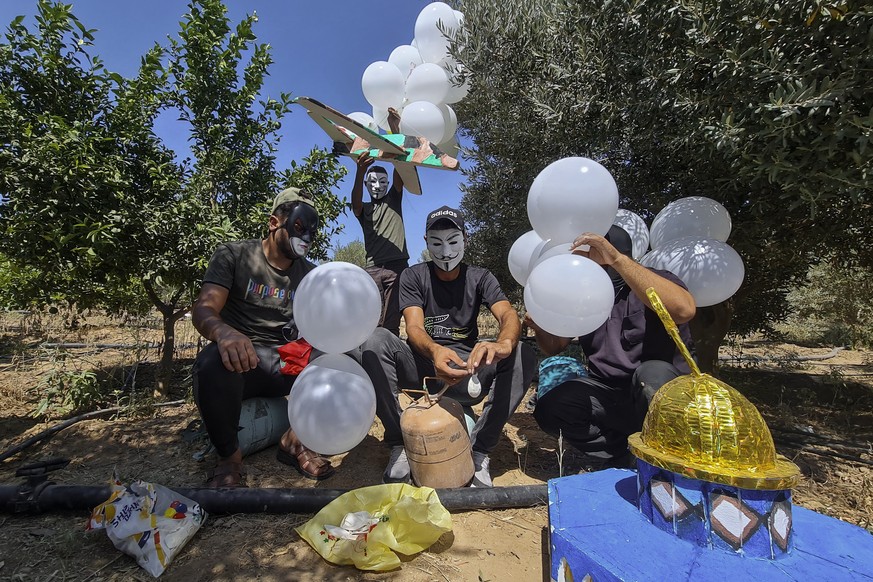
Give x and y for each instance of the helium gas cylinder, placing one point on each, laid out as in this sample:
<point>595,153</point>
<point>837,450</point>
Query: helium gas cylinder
<point>436,440</point>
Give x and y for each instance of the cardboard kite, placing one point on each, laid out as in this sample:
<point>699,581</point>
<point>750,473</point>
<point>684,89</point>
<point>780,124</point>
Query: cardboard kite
<point>352,139</point>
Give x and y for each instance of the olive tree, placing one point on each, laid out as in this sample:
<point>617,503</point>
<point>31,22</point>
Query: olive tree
<point>766,108</point>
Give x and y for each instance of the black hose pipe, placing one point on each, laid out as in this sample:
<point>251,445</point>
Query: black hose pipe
<point>51,497</point>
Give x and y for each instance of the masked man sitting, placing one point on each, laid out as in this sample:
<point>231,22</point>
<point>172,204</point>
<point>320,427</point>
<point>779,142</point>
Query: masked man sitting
<point>244,308</point>
<point>440,301</point>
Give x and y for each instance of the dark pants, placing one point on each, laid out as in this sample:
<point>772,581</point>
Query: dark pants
<point>219,393</point>
<point>387,278</point>
<point>392,364</point>
<point>596,418</point>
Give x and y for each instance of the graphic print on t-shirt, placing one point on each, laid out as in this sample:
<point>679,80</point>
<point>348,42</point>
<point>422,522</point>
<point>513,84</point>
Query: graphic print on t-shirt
<point>262,290</point>
<point>435,330</point>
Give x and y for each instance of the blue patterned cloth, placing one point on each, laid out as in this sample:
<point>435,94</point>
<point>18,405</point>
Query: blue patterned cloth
<point>557,370</point>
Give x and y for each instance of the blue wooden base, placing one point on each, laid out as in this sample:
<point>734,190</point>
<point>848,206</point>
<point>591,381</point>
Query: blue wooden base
<point>753,522</point>
<point>596,529</point>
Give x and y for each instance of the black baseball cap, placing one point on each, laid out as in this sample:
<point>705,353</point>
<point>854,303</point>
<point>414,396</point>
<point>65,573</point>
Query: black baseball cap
<point>453,215</point>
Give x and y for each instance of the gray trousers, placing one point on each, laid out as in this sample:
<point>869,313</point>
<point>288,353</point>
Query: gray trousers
<point>387,278</point>
<point>392,365</point>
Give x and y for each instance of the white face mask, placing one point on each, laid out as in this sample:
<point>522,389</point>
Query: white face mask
<point>446,247</point>
<point>377,184</point>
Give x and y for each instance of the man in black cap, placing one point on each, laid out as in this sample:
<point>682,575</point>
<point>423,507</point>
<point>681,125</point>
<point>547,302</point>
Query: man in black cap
<point>244,309</point>
<point>440,301</point>
<point>629,357</point>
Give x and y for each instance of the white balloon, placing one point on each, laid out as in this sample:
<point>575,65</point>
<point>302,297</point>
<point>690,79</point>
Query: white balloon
<point>383,85</point>
<point>693,216</point>
<point>449,65</point>
<point>423,119</point>
<point>458,89</point>
<point>568,295</point>
<point>431,42</point>
<point>521,255</point>
<point>549,249</point>
<point>711,269</point>
<point>572,196</point>
<point>336,307</point>
<point>405,57</point>
<point>380,116</point>
<point>636,227</point>
<point>332,404</point>
<point>451,122</point>
<point>364,119</point>
<point>459,16</point>
<point>427,82</point>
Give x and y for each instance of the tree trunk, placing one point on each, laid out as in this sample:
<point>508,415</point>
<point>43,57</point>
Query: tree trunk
<point>708,329</point>
<point>169,316</point>
<point>165,367</point>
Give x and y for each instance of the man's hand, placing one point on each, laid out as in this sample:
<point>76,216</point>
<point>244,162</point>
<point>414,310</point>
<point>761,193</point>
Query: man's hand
<point>530,323</point>
<point>237,352</point>
<point>488,352</point>
<point>442,358</point>
<point>363,162</point>
<point>600,250</point>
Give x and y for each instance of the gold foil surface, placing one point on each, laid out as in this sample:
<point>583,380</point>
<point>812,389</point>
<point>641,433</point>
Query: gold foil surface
<point>702,428</point>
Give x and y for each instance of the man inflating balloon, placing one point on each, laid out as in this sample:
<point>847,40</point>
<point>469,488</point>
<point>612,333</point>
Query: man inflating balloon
<point>629,356</point>
<point>440,300</point>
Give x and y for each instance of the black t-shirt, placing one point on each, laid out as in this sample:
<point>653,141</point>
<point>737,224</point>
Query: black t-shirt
<point>384,233</point>
<point>450,307</point>
<point>633,334</point>
<point>260,301</point>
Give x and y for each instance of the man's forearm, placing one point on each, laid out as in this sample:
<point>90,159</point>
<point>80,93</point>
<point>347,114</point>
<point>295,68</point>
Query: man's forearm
<point>421,342</point>
<point>208,322</point>
<point>677,300</point>
<point>510,330</point>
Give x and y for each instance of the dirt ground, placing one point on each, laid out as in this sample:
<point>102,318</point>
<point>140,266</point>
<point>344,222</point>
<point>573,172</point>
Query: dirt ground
<point>820,412</point>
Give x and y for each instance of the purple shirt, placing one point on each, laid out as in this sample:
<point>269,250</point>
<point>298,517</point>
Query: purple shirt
<point>633,334</point>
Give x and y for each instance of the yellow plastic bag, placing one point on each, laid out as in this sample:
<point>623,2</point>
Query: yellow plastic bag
<point>364,527</point>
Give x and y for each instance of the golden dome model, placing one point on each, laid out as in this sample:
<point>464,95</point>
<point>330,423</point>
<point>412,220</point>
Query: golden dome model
<point>702,428</point>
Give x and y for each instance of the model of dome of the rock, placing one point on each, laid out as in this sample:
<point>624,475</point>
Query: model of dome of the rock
<point>700,427</point>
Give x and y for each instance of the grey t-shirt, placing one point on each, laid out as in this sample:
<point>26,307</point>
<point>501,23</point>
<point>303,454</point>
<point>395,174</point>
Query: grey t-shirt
<point>261,298</point>
<point>450,307</point>
<point>384,234</point>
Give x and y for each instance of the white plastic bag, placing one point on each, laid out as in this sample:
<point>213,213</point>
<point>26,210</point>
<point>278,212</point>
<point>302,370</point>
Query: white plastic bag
<point>147,521</point>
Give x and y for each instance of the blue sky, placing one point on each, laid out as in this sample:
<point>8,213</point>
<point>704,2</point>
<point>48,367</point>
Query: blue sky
<point>320,50</point>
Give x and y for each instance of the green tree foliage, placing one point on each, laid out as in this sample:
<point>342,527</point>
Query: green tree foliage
<point>353,253</point>
<point>835,301</point>
<point>75,174</point>
<point>95,200</point>
<point>767,108</point>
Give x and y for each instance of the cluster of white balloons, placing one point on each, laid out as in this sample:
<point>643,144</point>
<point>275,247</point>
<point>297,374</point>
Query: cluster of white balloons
<point>688,239</point>
<point>332,405</point>
<point>420,80</point>
<point>568,295</point>
<point>565,294</point>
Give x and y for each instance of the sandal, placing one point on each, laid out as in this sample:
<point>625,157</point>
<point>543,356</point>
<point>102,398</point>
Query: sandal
<point>308,463</point>
<point>227,475</point>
